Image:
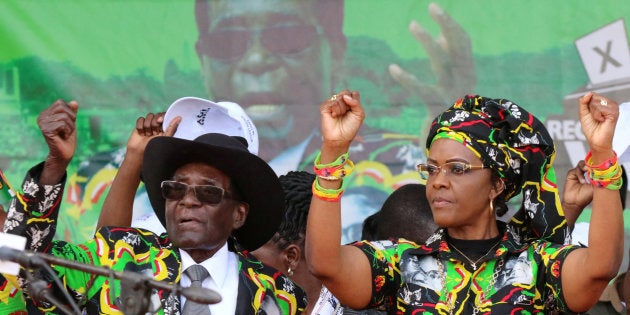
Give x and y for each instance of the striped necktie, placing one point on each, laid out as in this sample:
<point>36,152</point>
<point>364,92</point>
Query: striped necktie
<point>197,274</point>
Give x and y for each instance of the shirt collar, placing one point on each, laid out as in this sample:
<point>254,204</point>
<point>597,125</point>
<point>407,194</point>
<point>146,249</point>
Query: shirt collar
<point>216,265</point>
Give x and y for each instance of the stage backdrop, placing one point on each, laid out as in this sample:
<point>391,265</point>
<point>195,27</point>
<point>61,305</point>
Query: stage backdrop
<point>408,58</point>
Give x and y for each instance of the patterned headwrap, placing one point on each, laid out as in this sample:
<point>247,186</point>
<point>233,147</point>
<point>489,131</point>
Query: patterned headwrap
<point>517,146</point>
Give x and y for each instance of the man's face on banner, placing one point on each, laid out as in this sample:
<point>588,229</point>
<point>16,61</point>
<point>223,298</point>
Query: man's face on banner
<point>270,57</point>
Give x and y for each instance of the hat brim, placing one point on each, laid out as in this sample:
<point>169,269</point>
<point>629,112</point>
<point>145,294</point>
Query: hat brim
<point>255,180</point>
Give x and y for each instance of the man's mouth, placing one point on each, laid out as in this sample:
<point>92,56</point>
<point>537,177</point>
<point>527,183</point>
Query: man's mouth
<point>272,121</point>
<point>266,112</point>
<point>188,220</point>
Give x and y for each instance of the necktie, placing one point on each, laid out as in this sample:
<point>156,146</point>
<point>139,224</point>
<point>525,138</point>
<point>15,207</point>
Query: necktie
<point>197,274</point>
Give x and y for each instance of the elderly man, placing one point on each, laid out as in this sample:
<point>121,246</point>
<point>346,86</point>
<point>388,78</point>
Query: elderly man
<point>217,200</point>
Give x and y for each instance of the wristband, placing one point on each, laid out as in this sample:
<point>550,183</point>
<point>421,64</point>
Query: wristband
<point>331,195</point>
<point>335,170</point>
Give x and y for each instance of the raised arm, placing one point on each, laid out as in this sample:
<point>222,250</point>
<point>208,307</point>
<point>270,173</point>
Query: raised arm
<point>118,205</point>
<point>34,209</point>
<point>344,270</point>
<point>58,126</point>
<point>587,271</point>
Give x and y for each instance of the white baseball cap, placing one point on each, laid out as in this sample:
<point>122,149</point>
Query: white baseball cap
<point>200,116</point>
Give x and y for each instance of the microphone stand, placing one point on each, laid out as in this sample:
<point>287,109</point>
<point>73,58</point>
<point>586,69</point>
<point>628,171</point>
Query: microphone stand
<point>131,282</point>
<point>39,288</point>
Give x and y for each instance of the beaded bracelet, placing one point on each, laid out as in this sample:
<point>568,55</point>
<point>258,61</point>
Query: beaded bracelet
<point>335,170</point>
<point>332,195</point>
<point>605,175</point>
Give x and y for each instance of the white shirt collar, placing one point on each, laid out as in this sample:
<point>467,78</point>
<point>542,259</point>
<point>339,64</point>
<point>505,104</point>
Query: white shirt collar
<point>216,265</point>
<point>223,269</point>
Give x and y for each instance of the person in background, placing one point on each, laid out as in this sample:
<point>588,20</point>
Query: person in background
<point>245,57</point>
<point>285,250</point>
<point>206,193</point>
<point>368,232</point>
<point>405,214</point>
<point>481,153</point>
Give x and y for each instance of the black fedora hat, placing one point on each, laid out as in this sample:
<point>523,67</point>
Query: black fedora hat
<point>254,178</point>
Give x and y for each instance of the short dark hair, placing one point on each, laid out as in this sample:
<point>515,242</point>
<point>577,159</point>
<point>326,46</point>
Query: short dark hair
<point>368,232</point>
<point>406,214</point>
<point>329,13</point>
<point>297,198</point>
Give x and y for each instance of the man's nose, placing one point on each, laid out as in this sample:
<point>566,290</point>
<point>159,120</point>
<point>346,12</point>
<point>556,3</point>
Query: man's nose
<point>190,197</point>
<point>258,59</point>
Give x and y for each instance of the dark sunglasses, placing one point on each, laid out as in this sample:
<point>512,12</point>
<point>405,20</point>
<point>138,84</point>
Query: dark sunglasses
<point>208,194</point>
<point>232,44</point>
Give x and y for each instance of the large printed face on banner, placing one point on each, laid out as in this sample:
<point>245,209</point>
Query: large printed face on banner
<point>274,58</point>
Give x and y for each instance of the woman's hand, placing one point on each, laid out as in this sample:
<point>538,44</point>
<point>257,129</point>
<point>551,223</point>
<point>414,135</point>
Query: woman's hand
<point>598,116</point>
<point>342,116</point>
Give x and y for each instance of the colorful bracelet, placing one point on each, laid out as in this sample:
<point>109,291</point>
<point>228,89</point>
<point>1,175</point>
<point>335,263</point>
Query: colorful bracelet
<point>335,170</point>
<point>605,175</point>
<point>332,195</point>
<point>602,166</point>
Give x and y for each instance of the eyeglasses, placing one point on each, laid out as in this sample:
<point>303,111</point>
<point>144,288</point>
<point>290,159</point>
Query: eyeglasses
<point>233,44</point>
<point>208,194</point>
<point>451,168</point>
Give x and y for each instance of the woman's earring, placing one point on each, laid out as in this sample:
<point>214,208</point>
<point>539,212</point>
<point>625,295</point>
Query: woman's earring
<point>290,272</point>
<point>491,206</point>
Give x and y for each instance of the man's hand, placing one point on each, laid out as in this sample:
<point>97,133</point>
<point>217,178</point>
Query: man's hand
<point>58,126</point>
<point>118,205</point>
<point>451,61</point>
<point>147,128</point>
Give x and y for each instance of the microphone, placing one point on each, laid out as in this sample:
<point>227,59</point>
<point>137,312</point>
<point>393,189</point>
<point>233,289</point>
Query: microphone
<point>29,258</point>
<point>38,287</point>
<point>23,258</point>
<point>201,295</point>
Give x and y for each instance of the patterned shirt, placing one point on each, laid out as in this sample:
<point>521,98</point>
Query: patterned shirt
<point>517,278</point>
<point>11,300</point>
<point>262,289</point>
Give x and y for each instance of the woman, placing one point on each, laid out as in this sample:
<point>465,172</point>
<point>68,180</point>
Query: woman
<point>481,152</point>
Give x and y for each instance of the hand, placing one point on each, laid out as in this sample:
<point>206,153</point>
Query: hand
<point>342,116</point>
<point>58,126</point>
<point>147,128</point>
<point>451,60</point>
<point>598,116</point>
<point>577,193</point>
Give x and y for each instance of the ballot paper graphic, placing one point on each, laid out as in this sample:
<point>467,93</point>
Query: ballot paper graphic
<point>605,53</point>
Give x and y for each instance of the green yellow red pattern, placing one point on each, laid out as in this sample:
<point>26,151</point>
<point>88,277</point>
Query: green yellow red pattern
<point>517,278</point>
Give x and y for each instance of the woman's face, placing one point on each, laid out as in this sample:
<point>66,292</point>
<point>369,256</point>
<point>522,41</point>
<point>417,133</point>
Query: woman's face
<point>458,200</point>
